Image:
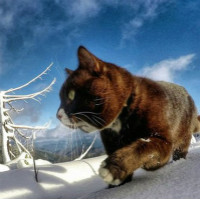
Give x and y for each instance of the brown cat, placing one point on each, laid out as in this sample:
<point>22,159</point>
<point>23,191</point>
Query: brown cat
<point>142,122</point>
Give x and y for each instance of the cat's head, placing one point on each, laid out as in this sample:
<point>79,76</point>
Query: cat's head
<point>93,95</point>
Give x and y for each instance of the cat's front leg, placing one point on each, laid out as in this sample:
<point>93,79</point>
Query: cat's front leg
<point>149,154</point>
<point>111,173</point>
<point>114,171</point>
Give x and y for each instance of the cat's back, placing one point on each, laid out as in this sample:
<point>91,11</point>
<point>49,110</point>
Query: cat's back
<point>180,105</point>
<point>166,103</point>
<point>169,93</point>
<point>178,99</point>
<point>173,89</point>
<point>176,95</point>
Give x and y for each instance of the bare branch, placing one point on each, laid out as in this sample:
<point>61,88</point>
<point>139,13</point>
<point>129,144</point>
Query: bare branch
<point>10,121</point>
<point>11,153</point>
<point>29,96</point>
<point>9,128</point>
<point>34,79</point>
<point>20,133</point>
<point>86,152</point>
<point>20,157</point>
<point>35,170</point>
<point>10,135</point>
<point>18,146</point>
<point>14,109</point>
<point>29,127</point>
<point>22,147</point>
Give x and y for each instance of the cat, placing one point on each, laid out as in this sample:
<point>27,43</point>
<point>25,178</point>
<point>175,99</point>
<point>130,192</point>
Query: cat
<point>142,122</point>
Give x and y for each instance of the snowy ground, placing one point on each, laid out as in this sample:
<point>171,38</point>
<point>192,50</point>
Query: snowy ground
<point>79,179</point>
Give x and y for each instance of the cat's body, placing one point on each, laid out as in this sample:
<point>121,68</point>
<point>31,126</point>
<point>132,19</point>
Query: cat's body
<point>142,122</point>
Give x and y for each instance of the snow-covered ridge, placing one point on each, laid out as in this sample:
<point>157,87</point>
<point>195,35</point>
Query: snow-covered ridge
<point>79,179</point>
<point>63,180</point>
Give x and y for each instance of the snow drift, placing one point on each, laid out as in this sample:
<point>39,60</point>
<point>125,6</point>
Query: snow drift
<point>64,180</point>
<point>79,179</point>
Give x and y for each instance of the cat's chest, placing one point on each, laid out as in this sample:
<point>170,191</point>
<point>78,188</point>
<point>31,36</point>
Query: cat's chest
<point>116,126</point>
<point>129,128</point>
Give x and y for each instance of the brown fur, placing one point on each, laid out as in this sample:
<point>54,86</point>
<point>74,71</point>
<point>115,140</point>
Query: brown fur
<point>157,118</point>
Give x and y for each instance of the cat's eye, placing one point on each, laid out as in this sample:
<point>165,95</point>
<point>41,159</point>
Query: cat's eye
<point>71,95</point>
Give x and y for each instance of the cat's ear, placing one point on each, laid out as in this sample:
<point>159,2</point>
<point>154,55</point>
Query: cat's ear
<point>68,71</point>
<point>89,61</point>
<point>86,59</point>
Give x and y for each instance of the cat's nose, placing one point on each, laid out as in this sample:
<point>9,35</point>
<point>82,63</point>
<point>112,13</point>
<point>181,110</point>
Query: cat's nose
<point>59,115</point>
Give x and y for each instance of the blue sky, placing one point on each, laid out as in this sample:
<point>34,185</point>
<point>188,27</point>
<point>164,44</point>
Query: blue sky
<point>154,38</point>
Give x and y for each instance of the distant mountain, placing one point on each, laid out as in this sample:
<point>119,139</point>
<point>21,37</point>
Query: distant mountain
<point>61,144</point>
<point>68,148</point>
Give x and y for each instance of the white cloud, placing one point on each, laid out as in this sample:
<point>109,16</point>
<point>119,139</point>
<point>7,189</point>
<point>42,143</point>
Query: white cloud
<point>9,12</point>
<point>165,70</point>
<point>37,22</point>
<point>2,64</point>
<point>144,10</point>
<point>30,114</point>
<point>12,25</point>
<point>81,9</point>
<point>60,131</point>
<point>34,23</point>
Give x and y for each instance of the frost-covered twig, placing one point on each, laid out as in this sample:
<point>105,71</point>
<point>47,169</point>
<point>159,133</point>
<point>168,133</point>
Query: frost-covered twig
<point>14,109</point>
<point>22,135</point>
<point>86,152</point>
<point>34,79</point>
<point>10,98</point>
<point>30,127</point>
<point>10,121</point>
<point>9,128</point>
<point>35,170</point>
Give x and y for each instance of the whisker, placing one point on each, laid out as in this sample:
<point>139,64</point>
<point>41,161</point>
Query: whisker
<point>97,121</point>
<point>87,112</point>
<point>99,99</point>
<point>92,121</point>
<point>81,120</point>
<point>73,124</point>
<point>100,104</point>
<point>99,118</point>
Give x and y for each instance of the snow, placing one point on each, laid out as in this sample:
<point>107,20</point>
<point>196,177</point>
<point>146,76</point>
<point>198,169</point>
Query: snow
<point>80,180</point>
<point>4,168</point>
<point>176,180</point>
<point>56,181</point>
<point>28,162</point>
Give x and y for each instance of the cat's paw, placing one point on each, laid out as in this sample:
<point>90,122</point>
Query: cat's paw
<point>111,174</point>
